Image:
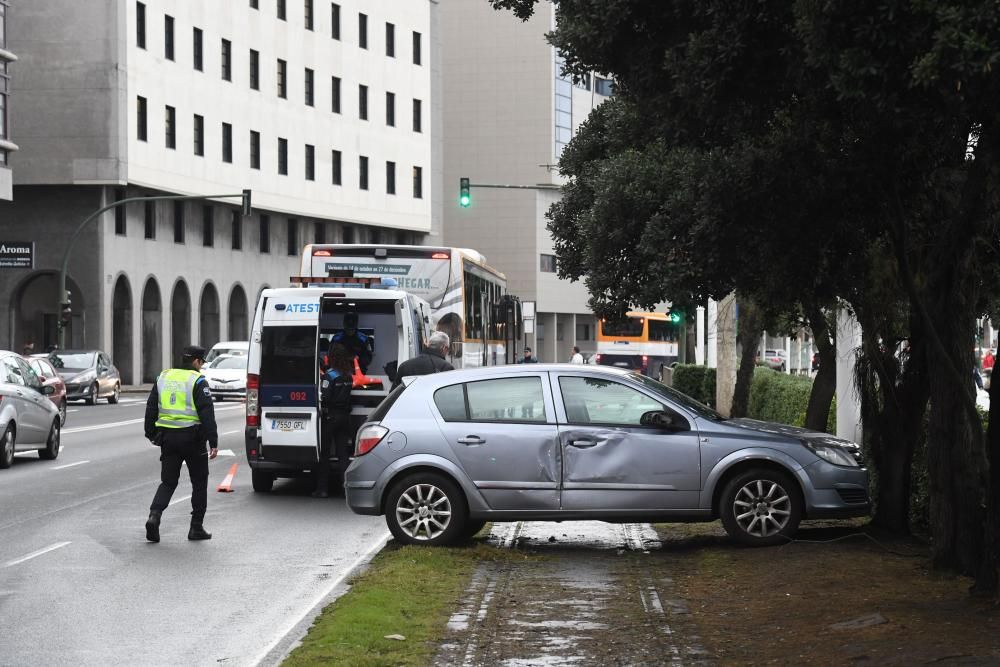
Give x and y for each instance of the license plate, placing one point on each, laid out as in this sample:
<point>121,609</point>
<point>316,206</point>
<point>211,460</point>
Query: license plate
<point>288,425</point>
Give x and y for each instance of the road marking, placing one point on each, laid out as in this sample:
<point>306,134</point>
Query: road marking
<point>70,465</point>
<point>179,500</point>
<point>226,452</point>
<point>127,422</point>
<point>35,554</point>
<point>239,430</point>
<point>101,496</point>
<point>74,410</point>
<point>366,556</point>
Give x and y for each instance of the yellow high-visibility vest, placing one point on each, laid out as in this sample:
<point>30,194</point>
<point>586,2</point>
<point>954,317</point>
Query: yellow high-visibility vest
<point>176,389</point>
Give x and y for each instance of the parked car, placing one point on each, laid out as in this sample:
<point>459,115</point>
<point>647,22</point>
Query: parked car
<point>774,359</point>
<point>49,376</point>
<point>28,419</point>
<point>233,348</point>
<point>444,454</point>
<point>89,375</point>
<point>227,376</point>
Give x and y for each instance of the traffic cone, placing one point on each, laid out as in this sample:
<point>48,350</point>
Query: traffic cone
<point>227,483</point>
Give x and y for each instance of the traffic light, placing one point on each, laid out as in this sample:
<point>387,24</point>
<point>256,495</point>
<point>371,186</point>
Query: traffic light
<point>246,204</point>
<point>66,310</point>
<point>464,197</point>
<point>675,317</point>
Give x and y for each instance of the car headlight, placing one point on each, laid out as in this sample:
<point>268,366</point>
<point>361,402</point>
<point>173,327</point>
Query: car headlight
<point>835,453</point>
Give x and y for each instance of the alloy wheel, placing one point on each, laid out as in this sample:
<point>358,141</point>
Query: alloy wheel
<point>762,508</point>
<point>423,512</point>
<point>8,448</point>
<point>62,411</point>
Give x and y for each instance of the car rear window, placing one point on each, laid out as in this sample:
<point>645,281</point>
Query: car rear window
<point>288,355</point>
<point>379,413</point>
<point>514,399</point>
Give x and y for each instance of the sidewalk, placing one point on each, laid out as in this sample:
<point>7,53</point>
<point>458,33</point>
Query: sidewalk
<point>137,388</point>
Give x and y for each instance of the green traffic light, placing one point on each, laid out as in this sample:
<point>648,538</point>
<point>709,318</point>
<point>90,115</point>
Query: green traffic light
<point>464,201</point>
<point>675,318</point>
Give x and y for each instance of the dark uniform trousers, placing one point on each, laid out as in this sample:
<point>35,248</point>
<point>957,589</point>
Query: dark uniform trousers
<point>183,445</point>
<point>334,437</point>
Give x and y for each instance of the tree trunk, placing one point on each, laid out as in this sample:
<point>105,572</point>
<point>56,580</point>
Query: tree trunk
<point>751,327</point>
<point>825,383</point>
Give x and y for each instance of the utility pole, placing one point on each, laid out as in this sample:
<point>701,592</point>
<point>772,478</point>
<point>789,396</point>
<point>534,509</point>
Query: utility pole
<point>65,307</point>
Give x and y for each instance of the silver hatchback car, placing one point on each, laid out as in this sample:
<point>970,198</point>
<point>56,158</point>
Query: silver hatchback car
<point>552,442</point>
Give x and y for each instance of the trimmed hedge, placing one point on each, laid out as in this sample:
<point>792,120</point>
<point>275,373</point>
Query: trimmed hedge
<point>696,381</point>
<point>782,398</point>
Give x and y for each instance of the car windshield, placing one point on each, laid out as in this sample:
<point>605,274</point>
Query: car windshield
<point>229,362</point>
<point>663,390</point>
<point>218,352</point>
<point>72,360</point>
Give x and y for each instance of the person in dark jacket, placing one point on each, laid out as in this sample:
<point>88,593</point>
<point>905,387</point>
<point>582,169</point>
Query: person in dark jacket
<point>431,360</point>
<point>527,358</point>
<point>358,344</point>
<point>335,397</point>
<point>180,419</point>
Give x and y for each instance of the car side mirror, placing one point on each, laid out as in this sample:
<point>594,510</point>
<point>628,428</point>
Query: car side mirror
<point>47,389</point>
<point>661,419</point>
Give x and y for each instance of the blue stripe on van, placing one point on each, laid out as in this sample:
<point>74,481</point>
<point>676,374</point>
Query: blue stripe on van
<point>288,396</point>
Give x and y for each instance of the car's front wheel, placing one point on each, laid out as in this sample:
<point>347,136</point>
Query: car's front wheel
<point>7,447</point>
<point>761,507</point>
<point>262,481</point>
<point>51,450</point>
<point>113,398</point>
<point>62,412</point>
<point>425,508</point>
<point>92,396</point>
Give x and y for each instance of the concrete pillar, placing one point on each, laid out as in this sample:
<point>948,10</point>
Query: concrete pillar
<point>725,381</point>
<point>788,355</point>
<point>712,334</point>
<point>699,345</point>
<point>848,405</point>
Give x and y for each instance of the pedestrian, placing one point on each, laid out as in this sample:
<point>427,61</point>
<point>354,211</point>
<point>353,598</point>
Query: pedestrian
<point>431,360</point>
<point>29,348</point>
<point>527,358</point>
<point>180,419</point>
<point>335,402</point>
<point>577,358</point>
<point>988,361</point>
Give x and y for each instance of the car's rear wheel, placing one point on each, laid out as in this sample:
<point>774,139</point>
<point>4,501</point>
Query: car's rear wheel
<point>7,447</point>
<point>92,396</point>
<point>52,445</point>
<point>62,411</point>
<point>113,398</point>
<point>426,508</point>
<point>262,481</point>
<point>761,507</point>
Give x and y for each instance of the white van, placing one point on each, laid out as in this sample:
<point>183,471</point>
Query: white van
<point>291,328</point>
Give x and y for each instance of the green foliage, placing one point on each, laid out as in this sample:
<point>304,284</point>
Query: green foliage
<point>782,398</point>
<point>696,381</point>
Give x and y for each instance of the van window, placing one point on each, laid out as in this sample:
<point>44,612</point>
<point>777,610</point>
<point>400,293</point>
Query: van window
<point>288,355</point>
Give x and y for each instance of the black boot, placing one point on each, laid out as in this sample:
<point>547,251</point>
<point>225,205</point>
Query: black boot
<point>153,526</point>
<point>197,531</point>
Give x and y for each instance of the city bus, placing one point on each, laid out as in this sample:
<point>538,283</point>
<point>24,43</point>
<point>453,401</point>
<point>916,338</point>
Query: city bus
<point>468,299</point>
<point>641,341</point>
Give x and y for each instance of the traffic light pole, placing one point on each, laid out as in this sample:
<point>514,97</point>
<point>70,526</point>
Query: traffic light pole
<point>64,302</point>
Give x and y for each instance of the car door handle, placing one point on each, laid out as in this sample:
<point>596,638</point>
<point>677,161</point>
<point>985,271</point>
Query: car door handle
<point>582,444</point>
<point>472,440</point>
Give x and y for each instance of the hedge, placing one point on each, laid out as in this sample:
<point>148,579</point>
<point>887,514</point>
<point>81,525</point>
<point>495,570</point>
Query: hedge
<point>696,381</point>
<point>782,398</point>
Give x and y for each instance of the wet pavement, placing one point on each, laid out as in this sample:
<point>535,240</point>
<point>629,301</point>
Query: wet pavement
<point>588,595</point>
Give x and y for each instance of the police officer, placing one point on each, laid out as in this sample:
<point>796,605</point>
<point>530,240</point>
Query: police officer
<point>335,396</point>
<point>357,343</point>
<point>180,418</point>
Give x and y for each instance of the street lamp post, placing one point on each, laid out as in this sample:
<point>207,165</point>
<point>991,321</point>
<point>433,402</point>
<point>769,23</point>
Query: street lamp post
<point>64,300</point>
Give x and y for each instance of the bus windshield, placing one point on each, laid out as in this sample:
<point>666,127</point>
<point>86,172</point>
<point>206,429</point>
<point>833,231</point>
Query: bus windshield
<point>630,327</point>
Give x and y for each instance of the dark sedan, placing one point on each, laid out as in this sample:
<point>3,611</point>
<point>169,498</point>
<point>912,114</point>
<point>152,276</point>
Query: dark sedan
<point>89,375</point>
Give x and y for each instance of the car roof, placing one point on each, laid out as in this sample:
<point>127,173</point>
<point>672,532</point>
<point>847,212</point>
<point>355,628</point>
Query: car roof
<point>487,372</point>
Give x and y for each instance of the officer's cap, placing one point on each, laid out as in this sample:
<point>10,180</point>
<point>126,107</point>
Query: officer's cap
<point>194,352</point>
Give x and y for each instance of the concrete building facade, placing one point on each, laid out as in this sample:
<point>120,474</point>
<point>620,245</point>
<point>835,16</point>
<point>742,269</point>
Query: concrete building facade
<point>322,109</point>
<point>7,145</point>
<point>507,113</point>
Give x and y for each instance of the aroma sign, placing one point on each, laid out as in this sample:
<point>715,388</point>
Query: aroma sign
<point>17,254</point>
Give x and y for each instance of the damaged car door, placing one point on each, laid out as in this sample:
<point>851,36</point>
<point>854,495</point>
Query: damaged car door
<point>624,451</point>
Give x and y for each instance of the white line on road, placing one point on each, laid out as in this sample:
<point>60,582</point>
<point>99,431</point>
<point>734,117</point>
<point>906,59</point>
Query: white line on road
<point>35,554</point>
<point>70,465</point>
<point>239,430</point>
<point>127,422</point>
<point>366,556</point>
<point>226,452</point>
<point>179,500</point>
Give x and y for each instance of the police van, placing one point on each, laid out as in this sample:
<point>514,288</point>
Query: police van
<point>292,329</point>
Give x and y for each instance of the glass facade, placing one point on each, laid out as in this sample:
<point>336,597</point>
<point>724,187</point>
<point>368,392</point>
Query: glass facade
<point>564,108</point>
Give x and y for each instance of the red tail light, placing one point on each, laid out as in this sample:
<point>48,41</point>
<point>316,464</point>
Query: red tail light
<point>368,437</point>
<point>253,400</point>
<point>597,358</point>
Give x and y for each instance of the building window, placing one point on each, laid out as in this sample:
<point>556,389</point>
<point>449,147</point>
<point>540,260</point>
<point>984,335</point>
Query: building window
<point>282,79</point>
<point>363,31</point>
<point>140,25</point>
<point>227,60</point>
<point>120,213</point>
<point>334,20</point>
<point>390,40</point>
<point>335,94</point>
<point>547,263</point>
<point>236,222</point>
<point>416,48</point>
<point>140,118</point>
<point>293,237</point>
<point>390,109</point>
<point>418,183</point>
<point>309,87</point>
<point>363,172</point>
<point>265,233</point>
<point>563,108</point>
<point>178,222</point>
<point>207,226</point>
<point>168,37</point>
<point>310,163</point>
<point>254,4</point>
<point>283,157</point>
<point>417,120</point>
<point>319,233</point>
<point>390,178</point>
<point>337,174</point>
<point>227,142</point>
<point>149,220</point>
<point>308,14</point>
<point>254,150</point>
<point>604,87</point>
<point>583,332</point>
<point>197,50</point>
<point>363,102</point>
<point>171,127</point>
<point>281,10</point>
<point>199,135</point>
<point>254,70</point>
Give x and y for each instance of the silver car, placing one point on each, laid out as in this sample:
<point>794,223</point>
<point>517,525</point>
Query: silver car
<point>448,452</point>
<point>28,418</point>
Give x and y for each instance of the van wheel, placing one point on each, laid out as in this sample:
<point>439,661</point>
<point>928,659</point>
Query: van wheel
<point>426,508</point>
<point>51,450</point>
<point>7,447</point>
<point>262,481</point>
<point>761,508</point>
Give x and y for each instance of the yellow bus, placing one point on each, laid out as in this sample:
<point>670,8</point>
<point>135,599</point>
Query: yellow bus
<point>640,341</point>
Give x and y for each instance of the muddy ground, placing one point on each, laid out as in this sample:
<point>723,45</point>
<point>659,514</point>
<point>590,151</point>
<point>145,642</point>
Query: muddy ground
<point>693,597</point>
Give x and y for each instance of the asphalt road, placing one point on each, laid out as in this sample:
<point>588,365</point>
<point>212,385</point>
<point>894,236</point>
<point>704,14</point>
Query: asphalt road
<point>80,585</point>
